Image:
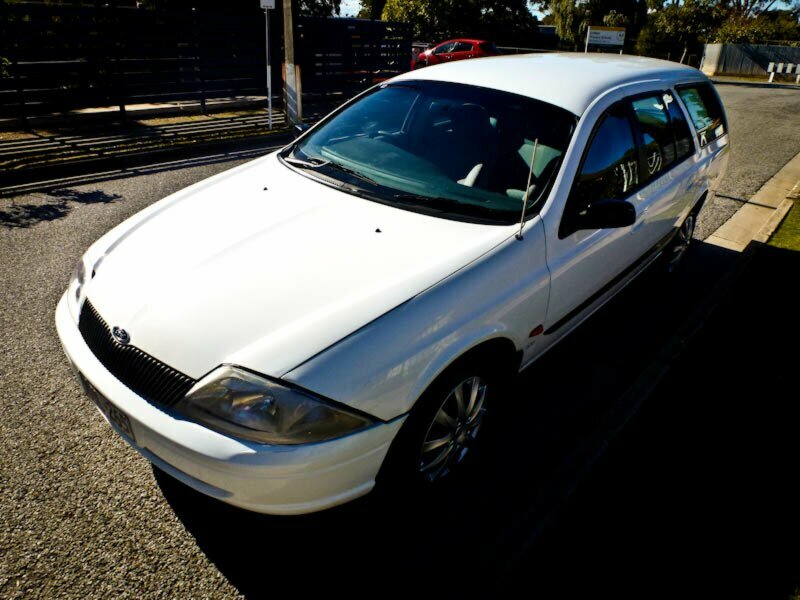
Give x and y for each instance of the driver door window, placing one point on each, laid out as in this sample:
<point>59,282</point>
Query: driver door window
<point>444,49</point>
<point>610,166</point>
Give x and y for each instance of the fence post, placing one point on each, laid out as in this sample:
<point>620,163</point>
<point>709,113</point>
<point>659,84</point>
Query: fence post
<point>119,75</point>
<point>199,61</point>
<point>23,117</point>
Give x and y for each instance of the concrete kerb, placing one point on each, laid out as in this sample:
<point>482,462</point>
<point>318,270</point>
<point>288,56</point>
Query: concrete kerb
<point>760,216</point>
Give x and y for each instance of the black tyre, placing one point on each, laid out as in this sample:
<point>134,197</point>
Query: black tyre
<point>443,430</point>
<point>678,248</point>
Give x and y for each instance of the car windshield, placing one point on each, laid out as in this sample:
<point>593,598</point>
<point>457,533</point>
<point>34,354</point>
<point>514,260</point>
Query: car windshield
<point>446,149</point>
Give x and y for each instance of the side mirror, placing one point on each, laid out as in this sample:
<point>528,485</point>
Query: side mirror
<point>300,129</point>
<point>606,214</point>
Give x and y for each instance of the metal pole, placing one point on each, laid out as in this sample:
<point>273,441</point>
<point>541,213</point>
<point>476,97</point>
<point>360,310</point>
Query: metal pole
<point>269,75</point>
<point>292,101</point>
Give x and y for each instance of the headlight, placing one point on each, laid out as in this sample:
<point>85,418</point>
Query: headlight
<point>83,272</point>
<point>75,289</point>
<point>78,279</point>
<point>239,403</point>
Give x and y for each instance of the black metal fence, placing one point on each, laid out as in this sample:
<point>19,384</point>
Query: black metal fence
<point>64,58</point>
<point>341,56</point>
<point>68,57</point>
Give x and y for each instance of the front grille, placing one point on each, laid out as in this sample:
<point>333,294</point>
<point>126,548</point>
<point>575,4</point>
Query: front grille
<point>151,379</point>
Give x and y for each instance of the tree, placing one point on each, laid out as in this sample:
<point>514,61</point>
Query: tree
<point>508,20</point>
<point>615,19</point>
<point>371,9</point>
<point>317,8</point>
<point>779,25</point>
<point>688,23</point>
<point>572,17</point>
<point>749,8</point>
<point>424,17</point>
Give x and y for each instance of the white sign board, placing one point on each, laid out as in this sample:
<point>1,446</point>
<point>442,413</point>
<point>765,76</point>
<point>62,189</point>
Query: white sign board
<point>605,36</point>
<point>268,4</point>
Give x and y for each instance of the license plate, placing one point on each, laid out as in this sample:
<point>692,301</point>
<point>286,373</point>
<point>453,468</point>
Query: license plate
<point>112,413</point>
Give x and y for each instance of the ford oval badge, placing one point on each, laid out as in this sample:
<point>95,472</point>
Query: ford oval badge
<point>121,335</point>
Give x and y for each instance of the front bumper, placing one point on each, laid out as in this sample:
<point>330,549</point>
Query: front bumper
<point>270,479</point>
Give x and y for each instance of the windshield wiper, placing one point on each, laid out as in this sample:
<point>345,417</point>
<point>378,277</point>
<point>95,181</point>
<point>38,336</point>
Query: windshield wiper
<point>443,204</point>
<point>311,163</point>
<point>352,172</point>
<point>316,163</point>
<point>437,200</point>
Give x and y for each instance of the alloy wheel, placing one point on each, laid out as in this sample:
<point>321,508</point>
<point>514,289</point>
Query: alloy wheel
<point>454,428</point>
<point>681,243</point>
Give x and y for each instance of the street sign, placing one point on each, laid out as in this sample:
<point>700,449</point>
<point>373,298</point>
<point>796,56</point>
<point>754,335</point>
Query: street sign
<point>268,4</point>
<point>610,37</point>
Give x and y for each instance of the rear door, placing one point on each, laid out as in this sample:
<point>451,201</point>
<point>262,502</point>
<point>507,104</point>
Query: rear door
<point>667,153</point>
<point>463,50</point>
<point>586,263</point>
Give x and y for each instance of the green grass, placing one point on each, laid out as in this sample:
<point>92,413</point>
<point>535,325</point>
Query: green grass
<point>787,235</point>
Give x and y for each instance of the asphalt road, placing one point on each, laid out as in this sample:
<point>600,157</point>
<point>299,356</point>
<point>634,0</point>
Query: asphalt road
<point>82,515</point>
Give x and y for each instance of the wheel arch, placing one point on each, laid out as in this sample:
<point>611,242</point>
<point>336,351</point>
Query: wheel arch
<point>700,202</point>
<point>499,351</point>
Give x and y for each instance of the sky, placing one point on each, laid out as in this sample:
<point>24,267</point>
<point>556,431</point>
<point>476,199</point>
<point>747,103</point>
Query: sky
<point>350,8</point>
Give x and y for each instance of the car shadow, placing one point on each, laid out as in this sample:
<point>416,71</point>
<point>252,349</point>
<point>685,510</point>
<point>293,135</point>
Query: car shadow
<point>697,498</point>
<point>50,206</point>
<point>463,536</point>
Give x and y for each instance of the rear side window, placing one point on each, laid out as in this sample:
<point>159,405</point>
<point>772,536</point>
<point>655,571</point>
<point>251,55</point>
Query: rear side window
<point>610,166</point>
<point>463,47</point>
<point>658,141</point>
<point>489,48</point>
<point>705,111</point>
<point>684,147</point>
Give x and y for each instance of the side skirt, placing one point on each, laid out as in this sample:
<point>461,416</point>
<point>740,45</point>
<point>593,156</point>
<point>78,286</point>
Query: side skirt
<point>597,300</point>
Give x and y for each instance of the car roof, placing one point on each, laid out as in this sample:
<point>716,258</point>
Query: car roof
<point>571,80</point>
<point>470,40</point>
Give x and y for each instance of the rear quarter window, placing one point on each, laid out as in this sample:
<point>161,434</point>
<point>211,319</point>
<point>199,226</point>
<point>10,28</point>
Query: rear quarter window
<point>705,110</point>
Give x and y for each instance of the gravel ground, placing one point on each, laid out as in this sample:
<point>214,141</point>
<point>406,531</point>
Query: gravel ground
<point>82,515</point>
<point>765,135</point>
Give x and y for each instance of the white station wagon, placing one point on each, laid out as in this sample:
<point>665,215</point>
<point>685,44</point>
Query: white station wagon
<point>283,334</point>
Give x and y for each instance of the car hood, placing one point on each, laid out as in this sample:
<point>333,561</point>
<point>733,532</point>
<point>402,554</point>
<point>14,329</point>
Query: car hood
<point>266,268</point>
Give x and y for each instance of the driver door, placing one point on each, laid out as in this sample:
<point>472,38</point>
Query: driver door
<point>585,264</point>
<point>444,52</point>
<point>462,50</point>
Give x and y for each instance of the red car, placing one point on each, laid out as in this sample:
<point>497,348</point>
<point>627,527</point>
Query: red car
<point>454,50</point>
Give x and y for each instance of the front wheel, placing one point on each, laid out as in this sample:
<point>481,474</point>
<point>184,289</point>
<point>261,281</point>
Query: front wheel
<point>453,430</point>
<point>442,432</point>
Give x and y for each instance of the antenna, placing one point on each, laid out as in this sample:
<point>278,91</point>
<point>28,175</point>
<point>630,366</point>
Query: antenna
<point>527,190</point>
